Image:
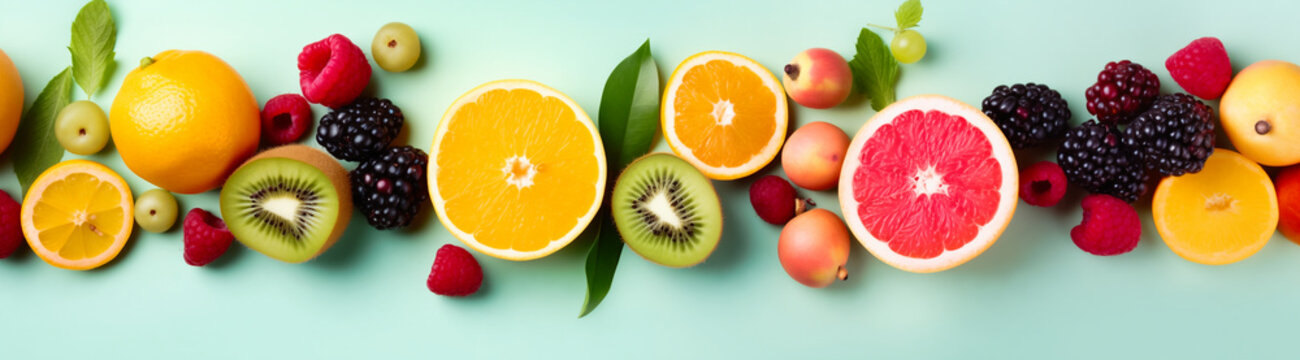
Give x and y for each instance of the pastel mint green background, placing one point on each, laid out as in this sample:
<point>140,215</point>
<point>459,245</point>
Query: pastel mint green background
<point>1031,295</point>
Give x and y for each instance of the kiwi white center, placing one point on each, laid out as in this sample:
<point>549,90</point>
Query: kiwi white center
<point>723,112</point>
<point>285,206</point>
<point>520,171</point>
<point>929,181</point>
<point>662,208</point>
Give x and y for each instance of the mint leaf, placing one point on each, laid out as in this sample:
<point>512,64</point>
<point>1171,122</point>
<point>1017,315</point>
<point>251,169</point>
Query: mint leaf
<point>874,70</point>
<point>35,148</point>
<point>908,14</point>
<point>93,36</point>
<point>629,120</point>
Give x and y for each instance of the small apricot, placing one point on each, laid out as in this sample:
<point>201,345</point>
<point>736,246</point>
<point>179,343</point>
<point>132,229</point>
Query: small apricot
<point>814,247</point>
<point>813,155</point>
<point>818,78</point>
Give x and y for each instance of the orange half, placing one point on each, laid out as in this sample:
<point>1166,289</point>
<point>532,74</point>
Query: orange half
<point>516,170</point>
<point>725,114</point>
<point>78,215</point>
<point>1223,214</point>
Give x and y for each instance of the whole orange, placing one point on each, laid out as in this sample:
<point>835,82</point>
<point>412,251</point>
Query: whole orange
<point>184,120</point>
<point>11,100</point>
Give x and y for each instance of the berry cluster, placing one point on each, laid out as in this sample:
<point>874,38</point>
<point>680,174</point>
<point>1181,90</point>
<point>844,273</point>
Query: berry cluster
<point>389,185</point>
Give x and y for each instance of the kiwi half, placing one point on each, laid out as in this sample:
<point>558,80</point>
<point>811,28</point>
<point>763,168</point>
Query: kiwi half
<point>667,211</point>
<point>291,203</point>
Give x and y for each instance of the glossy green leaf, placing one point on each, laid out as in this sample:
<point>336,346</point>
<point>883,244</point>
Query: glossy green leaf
<point>629,120</point>
<point>35,148</point>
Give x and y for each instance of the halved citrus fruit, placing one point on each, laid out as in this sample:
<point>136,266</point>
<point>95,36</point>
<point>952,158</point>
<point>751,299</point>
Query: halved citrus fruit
<point>929,183</point>
<point>516,170</point>
<point>1220,215</point>
<point>77,215</point>
<point>725,114</point>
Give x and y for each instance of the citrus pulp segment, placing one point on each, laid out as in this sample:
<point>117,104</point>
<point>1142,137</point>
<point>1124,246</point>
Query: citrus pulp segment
<point>725,114</point>
<point>928,184</point>
<point>1220,215</point>
<point>516,170</point>
<point>77,215</point>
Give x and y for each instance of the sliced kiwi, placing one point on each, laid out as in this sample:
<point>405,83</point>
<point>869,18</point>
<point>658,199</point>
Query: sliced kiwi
<point>291,203</point>
<point>667,211</point>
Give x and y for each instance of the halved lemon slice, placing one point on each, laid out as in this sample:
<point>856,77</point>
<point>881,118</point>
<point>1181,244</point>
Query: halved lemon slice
<point>725,114</point>
<point>516,170</point>
<point>78,215</point>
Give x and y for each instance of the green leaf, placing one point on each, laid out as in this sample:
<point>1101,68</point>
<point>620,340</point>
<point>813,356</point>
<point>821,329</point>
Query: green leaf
<point>874,70</point>
<point>93,36</point>
<point>629,108</point>
<point>35,148</point>
<point>629,120</point>
<point>602,260</point>
<point>908,14</point>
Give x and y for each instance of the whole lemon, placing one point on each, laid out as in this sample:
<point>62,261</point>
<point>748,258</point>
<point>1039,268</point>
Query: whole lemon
<point>184,120</point>
<point>11,100</point>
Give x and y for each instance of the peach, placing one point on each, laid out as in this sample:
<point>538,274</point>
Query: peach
<point>818,78</point>
<point>813,155</point>
<point>1288,202</point>
<point>814,247</point>
<point>1260,112</point>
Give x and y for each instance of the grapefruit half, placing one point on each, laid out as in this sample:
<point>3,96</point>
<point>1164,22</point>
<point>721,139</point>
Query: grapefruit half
<point>929,184</point>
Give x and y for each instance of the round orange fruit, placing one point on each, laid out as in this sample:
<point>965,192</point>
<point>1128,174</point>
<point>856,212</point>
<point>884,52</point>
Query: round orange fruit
<point>725,114</point>
<point>184,120</point>
<point>1223,214</point>
<point>11,100</point>
<point>516,170</point>
<point>77,215</point>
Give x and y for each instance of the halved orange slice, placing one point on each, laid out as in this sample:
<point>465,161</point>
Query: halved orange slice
<point>516,170</point>
<point>77,215</point>
<point>725,114</point>
<point>1223,214</point>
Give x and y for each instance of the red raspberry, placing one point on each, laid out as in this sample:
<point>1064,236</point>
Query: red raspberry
<point>455,272</point>
<point>1042,184</point>
<point>206,237</point>
<point>1201,68</point>
<point>1110,226</point>
<point>775,200</point>
<point>285,118</point>
<point>334,71</point>
<point>11,230</point>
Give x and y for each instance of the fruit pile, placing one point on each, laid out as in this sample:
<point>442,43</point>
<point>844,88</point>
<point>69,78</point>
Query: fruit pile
<point>1211,205</point>
<point>927,184</point>
<point>187,122</point>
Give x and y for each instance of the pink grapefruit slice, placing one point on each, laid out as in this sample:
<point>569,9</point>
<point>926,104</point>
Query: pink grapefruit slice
<point>929,184</point>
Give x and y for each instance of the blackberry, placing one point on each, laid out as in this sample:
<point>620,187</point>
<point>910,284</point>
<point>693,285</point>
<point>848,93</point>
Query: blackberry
<point>361,129</point>
<point>1174,137</point>
<point>390,188</point>
<point>1123,90</point>
<point>1028,114</point>
<point>1094,158</point>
